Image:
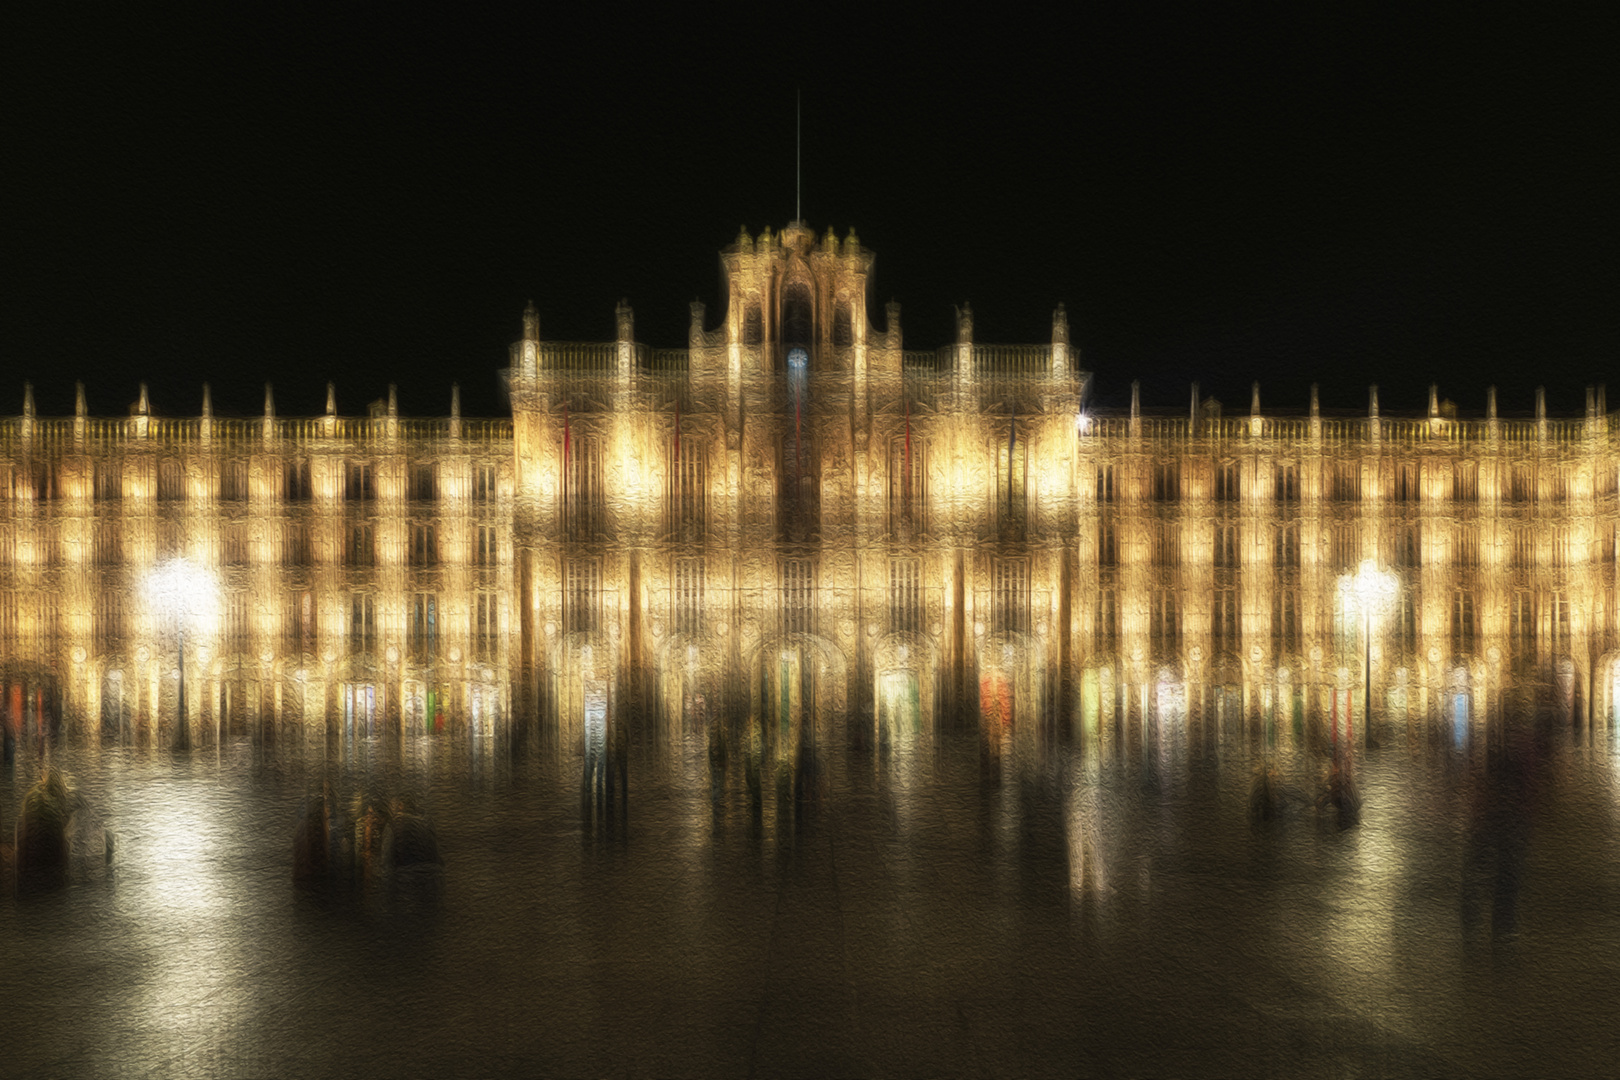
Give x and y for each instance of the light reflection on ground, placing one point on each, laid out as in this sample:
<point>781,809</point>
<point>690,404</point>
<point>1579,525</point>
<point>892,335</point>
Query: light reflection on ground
<point>931,909</point>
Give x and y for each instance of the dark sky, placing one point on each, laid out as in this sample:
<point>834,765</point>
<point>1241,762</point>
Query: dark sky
<point>1269,193</point>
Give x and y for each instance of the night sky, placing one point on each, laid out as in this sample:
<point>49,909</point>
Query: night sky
<point>1273,194</point>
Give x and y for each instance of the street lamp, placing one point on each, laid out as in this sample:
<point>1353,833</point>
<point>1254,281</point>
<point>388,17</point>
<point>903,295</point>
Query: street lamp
<point>182,595</point>
<point>1370,590</point>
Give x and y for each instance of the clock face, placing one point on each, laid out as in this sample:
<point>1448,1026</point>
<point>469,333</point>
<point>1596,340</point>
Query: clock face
<point>798,358</point>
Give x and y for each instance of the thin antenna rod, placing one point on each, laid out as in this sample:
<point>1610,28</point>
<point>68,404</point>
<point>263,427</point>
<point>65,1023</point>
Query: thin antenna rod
<point>798,150</point>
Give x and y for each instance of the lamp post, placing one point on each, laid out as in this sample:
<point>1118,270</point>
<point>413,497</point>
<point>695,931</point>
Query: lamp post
<point>181,594</point>
<point>1369,589</point>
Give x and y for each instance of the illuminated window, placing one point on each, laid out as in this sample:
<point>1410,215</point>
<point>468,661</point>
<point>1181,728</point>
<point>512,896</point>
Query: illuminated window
<point>1009,596</point>
<point>1561,483</point>
<point>1562,547</point>
<point>1406,546</point>
<point>582,596</point>
<point>1558,628</point>
<point>362,623</point>
<point>1406,619</point>
<point>908,488</point>
<point>905,595</point>
<point>688,598</point>
<point>233,480</point>
<point>236,622</point>
<point>1228,487</point>
<point>798,596</point>
<point>1524,548</point>
<point>359,482</point>
<point>753,326</point>
<point>107,628</point>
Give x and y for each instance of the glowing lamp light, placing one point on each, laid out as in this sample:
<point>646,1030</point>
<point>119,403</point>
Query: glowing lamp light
<point>1371,591</point>
<point>185,597</point>
<point>1082,423</point>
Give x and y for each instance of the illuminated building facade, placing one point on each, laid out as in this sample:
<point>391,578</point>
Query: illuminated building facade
<point>797,528</point>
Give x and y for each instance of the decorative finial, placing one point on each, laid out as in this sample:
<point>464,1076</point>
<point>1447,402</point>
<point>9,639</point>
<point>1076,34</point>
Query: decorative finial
<point>331,399</point>
<point>208,402</point>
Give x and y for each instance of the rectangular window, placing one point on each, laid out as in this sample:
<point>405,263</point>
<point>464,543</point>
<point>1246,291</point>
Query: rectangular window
<point>1522,488</point>
<point>359,482</point>
<point>908,490</point>
<point>582,596</point>
<point>295,477</point>
<point>1225,626</point>
<point>298,548</point>
<point>1346,481</point>
<point>171,481</point>
<point>799,491</point>
<point>1406,482</point>
<point>1288,484</point>
<point>1012,474</point>
<point>424,625</point>
<point>905,595</point>
<point>1107,621</point>
<point>1406,619</point>
<point>298,621</point>
<point>1464,629</point>
<point>108,543</point>
<point>486,628</point>
<point>237,626</point>
<point>108,627</point>
<point>1009,596</point>
<point>362,546</point>
<point>109,480</point>
<point>1558,619</point>
<point>485,553</point>
<point>1107,544</point>
<point>1286,545</point>
<point>753,325</point>
<point>1524,548</point>
<point>1465,547</point>
<point>1285,621</point>
<point>423,482</point>
<point>1346,547</point>
<point>1226,548</point>
<point>583,507</point>
<point>1167,481</point>
<point>1406,547</point>
<point>688,489</point>
<point>362,623</point>
<point>1465,482</point>
<point>688,598</point>
<point>1107,492</point>
<point>1164,628</point>
<point>237,548</point>
<point>484,484</point>
<point>1166,544</point>
<point>1228,487</point>
<point>424,545</point>
<point>1522,622</point>
<point>1562,547</point>
<point>798,596</point>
